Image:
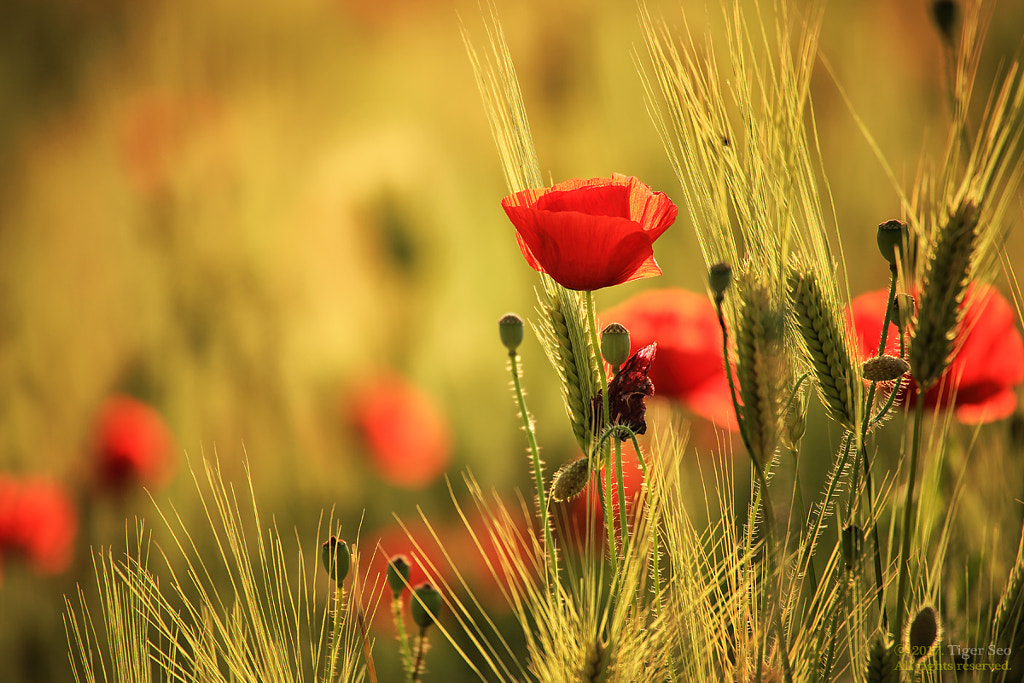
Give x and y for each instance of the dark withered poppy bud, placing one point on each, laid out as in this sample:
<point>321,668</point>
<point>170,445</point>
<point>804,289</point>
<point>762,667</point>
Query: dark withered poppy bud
<point>398,574</point>
<point>336,558</point>
<point>719,279</point>
<point>626,394</point>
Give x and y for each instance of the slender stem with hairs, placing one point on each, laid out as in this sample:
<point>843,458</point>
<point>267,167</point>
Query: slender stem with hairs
<point>538,473</point>
<point>719,300</point>
<point>606,419</point>
<point>403,639</point>
<point>421,648</point>
<point>909,517</point>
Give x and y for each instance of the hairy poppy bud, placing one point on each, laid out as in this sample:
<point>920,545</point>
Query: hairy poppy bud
<point>719,278</point>
<point>398,574</point>
<point>885,368</point>
<point>510,327</point>
<point>570,480</point>
<point>924,633</point>
<point>892,235</point>
<point>615,344</point>
<point>426,605</point>
<point>336,558</point>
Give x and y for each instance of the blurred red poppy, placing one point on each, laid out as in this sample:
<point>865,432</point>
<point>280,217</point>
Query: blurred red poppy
<point>408,438</point>
<point>688,367</point>
<point>589,234</point>
<point>132,444</point>
<point>38,521</point>
<point>982,378</point>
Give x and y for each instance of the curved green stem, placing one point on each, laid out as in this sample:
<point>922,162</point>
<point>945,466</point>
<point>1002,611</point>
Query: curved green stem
<point>538,472</point>
<point>728,372</point>
<point>606,418</point>
<point>403,639</point>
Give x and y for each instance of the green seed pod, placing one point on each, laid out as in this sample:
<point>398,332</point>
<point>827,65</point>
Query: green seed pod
<point>892,235</point>
<point>885,368</point>
<point>426,605</point>
<point>924,633</point>
<point>570,480</point>
<point>398,574</point>
<point>510,327</point>
<point>336,558</point>
<point>615,344</point>
<point>719,278</point>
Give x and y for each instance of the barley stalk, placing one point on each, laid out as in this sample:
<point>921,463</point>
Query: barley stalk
<point>1007,620</point>
<point>827,347</point>
<point>939,306</point>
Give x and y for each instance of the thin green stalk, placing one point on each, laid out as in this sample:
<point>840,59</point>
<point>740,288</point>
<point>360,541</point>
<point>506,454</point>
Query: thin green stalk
<point>606,418</point>
<point>909,517</point>
<point>728,373</point>
<point>538,473</point>
<point>421,648</point>
<point>403,639</point>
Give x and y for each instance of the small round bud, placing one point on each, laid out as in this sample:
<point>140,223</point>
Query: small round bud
<point>336,558</point>
<point>615,344</point>
<point>884,368</point>
<point>853,545</point>
<point>398,574</point>
<point>510,327</point>
<point>426,605</point>
<point>892,235</point>
<point>570,480</point>
<point>924,633</point>
<point>945,14</point>
<point>902,310</point>
<point>719,278</point>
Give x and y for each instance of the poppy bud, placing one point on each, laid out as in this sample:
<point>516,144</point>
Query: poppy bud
<point>398,574</point>
<point>902,310</point>
<point>853,543</point>
<point>510,327</point>
<point>892,235</point>
<point>795,421</point>
<point>336,558</point>
<point>924,633</point>
<point>615,345</point>
<point>719,278</point>
<point>426,605</point>
<point>570,480</point>
<point>945,14</point>
<point>884,368</point>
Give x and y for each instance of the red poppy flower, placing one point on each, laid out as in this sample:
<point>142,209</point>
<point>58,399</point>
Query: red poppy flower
<point>980,383</point>
<point>408,438</point>
<point>589,234</point>
<point>132,444</point>
<point>689,366</point>
<point>38,522</point>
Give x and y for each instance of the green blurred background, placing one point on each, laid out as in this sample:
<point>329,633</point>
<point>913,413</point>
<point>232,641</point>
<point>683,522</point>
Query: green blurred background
<point>243,212</point>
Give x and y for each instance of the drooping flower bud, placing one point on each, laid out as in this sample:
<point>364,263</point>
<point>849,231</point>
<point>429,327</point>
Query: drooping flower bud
<point>510,327</point>
<point>945,14</point>
<point>884,368</point>
<point>426,605</point>
<point>924,633</point>
<point>719,278</point>
<point>336,558</point>
<point>892,235</point>
<point>570,480</point>
<point>398,574</point>
<point>615,345</point>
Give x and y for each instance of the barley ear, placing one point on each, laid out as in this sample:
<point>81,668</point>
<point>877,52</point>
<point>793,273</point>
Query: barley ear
<point>939,305</point>
<point>827,346</point>
<point>883,663</point>
<point>1008,623</point>
<point>564,333</point>
<point>595,668</point>
<point>760,369</point>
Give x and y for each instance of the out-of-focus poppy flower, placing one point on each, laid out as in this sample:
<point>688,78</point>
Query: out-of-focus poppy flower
<point>981,380</point>
<point>38,522</point>
<point>571,517</point>
<point>689,366</point>
<point>407,437</point>
<point>132,444</point>
<point>589,234</point>
<point>626,394</point>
